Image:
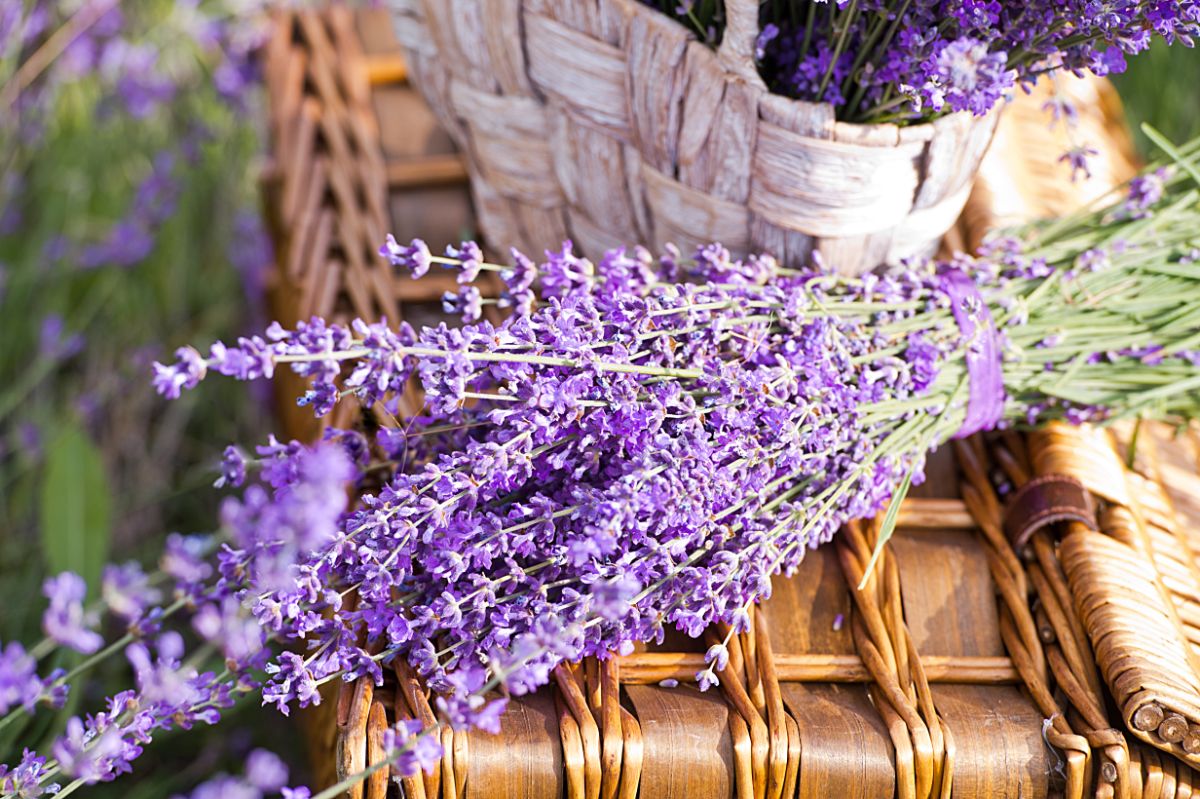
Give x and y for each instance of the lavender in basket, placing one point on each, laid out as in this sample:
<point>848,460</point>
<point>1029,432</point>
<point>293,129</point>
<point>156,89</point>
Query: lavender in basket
<point>912,60</point>
<point>644,443</point>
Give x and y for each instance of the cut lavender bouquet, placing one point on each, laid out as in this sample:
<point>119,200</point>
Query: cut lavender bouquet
<point>643,444</point>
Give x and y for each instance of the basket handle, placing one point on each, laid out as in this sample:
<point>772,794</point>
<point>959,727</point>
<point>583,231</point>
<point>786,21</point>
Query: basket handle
<point>736,52</point>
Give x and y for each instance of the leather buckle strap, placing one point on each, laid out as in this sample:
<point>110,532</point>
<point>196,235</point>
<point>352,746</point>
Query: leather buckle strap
<point>1043,501</point>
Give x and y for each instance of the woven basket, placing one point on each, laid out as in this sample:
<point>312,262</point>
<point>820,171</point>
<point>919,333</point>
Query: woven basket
<point>606,122</point>
<point>1060,665</point>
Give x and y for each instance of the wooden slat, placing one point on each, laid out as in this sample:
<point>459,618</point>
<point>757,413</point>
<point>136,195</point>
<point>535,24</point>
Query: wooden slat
<point>919,513</point>
<point>652,667</point>
<point>386,69</point>
<point>1000,750</point>
<point>845,749</point>
<point>688,751</point>
<point>432,170</point>
<point>525,759</point>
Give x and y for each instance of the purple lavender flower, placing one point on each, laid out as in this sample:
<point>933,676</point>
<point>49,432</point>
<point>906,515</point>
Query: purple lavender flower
<point>1093,260</point>
<point>1078,158</point>
<point>633,453</point>
<point>970,78</point>
<point>224,786</point>
<point>290,680</point>
<point>467,303</point>
<point>105,744</point>
<point>127,244</point>
<point>233,468</point>
<point>231,78</point>
<point>10,17</point>
<point>251,253</point>
<point>271,535</point>
<point>158,194</point>
<point>65,620</point>
<point>717,656</point>
<point>415,256</point>
<point>599,498</point>
<point>163,680</point>
<point>26,779</point>
<point>470,256</point>
<point>30,439</point>
<point>768,34</point>
<point>86,755</point>
<point>186,372</point>
<point>411,751</point>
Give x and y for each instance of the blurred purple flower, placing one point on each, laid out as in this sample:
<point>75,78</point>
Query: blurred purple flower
<point>1145,191</point>
<point>127,244</point>
<point>227,624</point>
<point>184,561</point>
<point>20,685</point>
<point>127,592</point>
<point>65,620</point>
<point>52,345</point>
<point>265,774</point>
<point>410,751</point>
<point>163,680</point>
<point>265,771</point>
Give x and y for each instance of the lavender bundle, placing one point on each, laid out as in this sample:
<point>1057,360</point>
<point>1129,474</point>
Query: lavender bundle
<point>651,441</point>
<point>906,61</point>
<point>645,442</point>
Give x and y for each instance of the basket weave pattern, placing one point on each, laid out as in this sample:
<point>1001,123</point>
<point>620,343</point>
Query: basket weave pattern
<point>607,122</point>
<point>964,666</point>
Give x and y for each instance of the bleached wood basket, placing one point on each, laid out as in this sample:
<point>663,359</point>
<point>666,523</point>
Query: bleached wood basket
<point>607,122</point>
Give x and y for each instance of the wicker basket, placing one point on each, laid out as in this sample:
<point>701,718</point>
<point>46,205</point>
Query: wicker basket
<point>606,122</point>
<point>1064,664</point>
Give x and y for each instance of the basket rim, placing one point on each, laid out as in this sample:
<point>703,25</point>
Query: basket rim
<point>732,74</point>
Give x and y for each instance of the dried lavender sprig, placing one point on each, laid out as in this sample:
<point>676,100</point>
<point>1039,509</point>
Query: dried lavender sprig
<point>394,550</point>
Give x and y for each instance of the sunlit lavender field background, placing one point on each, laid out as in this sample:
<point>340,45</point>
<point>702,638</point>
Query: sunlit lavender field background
<point>129,144</point>
<point>130,139</point>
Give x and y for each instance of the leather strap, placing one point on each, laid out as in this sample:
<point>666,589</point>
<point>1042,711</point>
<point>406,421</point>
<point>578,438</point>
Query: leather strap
<point>1044,501</point>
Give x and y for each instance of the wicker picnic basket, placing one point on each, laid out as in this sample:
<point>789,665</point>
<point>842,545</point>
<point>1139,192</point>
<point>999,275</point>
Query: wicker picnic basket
<point>1032,630</point>
<point>606,121</point>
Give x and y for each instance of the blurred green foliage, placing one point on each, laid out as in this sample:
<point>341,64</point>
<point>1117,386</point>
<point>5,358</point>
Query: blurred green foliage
<point>75,524</point>
<point>1162,87</point>
<point>93,465</point>
<point>71,176</point>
